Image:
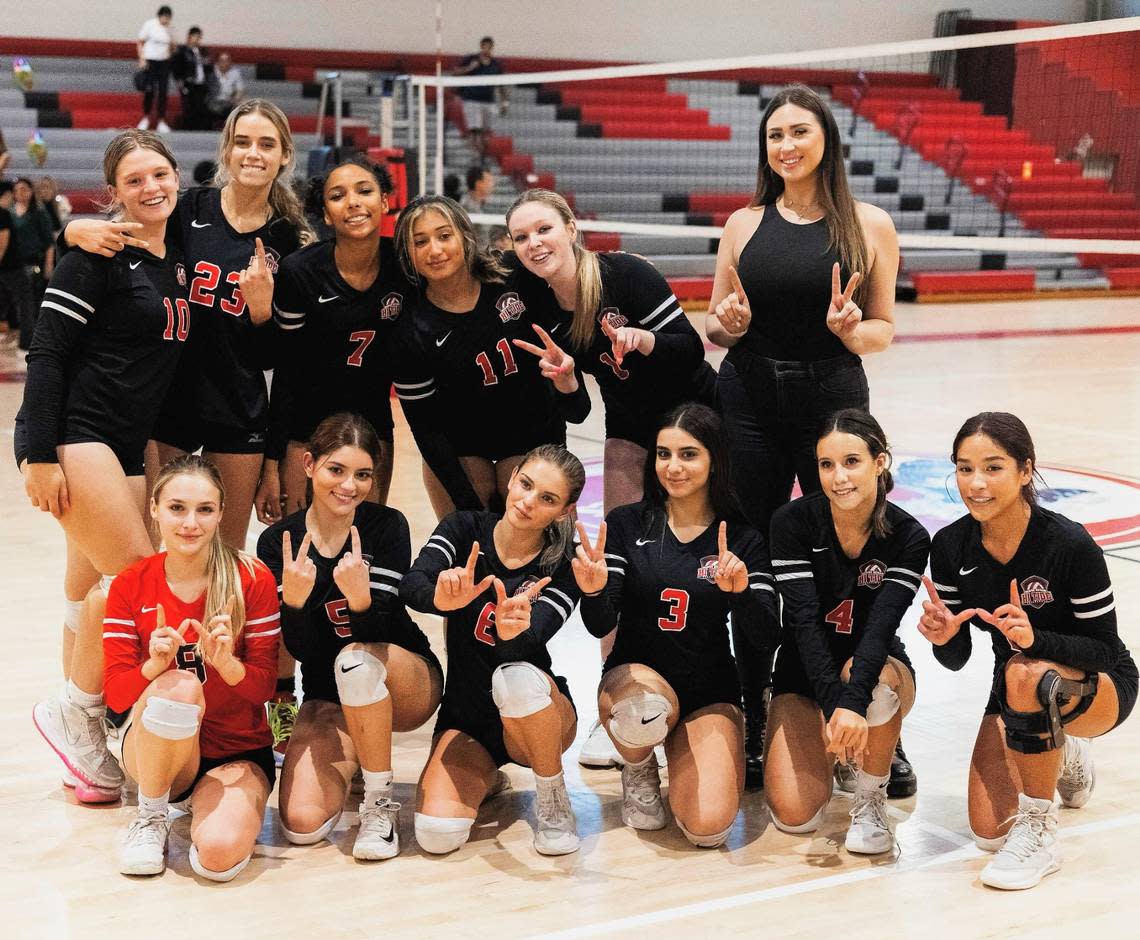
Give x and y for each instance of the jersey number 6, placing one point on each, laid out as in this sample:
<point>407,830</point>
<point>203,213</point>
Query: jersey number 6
<point>843,616</point>
<point>678,601</point>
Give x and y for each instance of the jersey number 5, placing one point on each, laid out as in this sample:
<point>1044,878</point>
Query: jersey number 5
<point>843,616</point>
<point>337,612</point>
<point>678,601</point>
<point>509,367</point>
<point>485,625</point>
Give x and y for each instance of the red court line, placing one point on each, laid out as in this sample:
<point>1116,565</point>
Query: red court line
<point>1015,334</point>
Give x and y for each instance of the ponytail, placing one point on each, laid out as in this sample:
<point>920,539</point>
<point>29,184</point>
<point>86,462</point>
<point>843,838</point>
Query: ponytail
<point>558,537</point>
<point>861,425</point>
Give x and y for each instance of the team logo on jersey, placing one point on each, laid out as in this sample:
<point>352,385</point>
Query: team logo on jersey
<point>526,585</point>
<point>707,569</point>
<point>1035,592</point>
<point>613,316</point>
<point>510,307</point>
<point>391,306</point>
<point>180,274</point>
<point>871,574</point>
<point>272,257</point>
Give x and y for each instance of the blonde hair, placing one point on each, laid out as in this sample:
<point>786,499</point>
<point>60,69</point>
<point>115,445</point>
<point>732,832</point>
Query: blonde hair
<point>588,295</point>
<point>483,264</point>
<point>223,574</point>
<point>558,537</point>
<point>121,145</point>
<point>283,201</point>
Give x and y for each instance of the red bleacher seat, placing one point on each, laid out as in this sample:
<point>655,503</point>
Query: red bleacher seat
<point>962,282</point>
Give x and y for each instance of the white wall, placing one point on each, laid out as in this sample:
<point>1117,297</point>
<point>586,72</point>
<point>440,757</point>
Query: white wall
<point>640,30</point>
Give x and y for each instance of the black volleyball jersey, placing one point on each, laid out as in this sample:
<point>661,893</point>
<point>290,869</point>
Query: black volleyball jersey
<point>1062,583</point>
<point>838,608</point>
<point>662,595</point>
<point>108,340</point>
<point>337,345</point>
<point>459,377</point>
<point>634,293</point>
<point>317,632</point>
<point>785,270</point>
<point>221,380</point>
<point>473,649</point>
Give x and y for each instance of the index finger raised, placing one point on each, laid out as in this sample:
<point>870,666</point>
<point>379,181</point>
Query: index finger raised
<point>355,534</point>
<point>159,617</point>
<point>259,249</point>
<point>722,537</point>
<point>1014,594</point>
<point>547,341</point>
<point>736,285</point>
<point>584,537</point>
<point>836,284</point>
<point>287,547</point>
<point>535,589</point>
<point>849,292</point>
<point>303,551</point>
<point>932,591</point>
<point>600,547</point>
<point>473,559</point>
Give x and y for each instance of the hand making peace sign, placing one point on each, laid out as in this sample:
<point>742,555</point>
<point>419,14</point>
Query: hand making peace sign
<point>297,574</point>
<point>589,561</point>
<point>556,364</point>
<point>351,575</point>
<point>844,315</point>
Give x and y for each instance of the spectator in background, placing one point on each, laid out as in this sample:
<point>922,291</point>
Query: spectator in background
<point>480,185</point>
<point>478,100</point>
<point>35,251</point>
<point>204,171</point>
<point>5,156</point>
<point>155,47</point>
<point>451,187</point>
<point>227,88</point>
<point>55,203</point>
<point>8,309</point>
<point>191,67</point>
<point>500,238</point>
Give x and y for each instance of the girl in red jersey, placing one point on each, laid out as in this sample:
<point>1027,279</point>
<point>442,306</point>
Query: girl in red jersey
<point>190,645</point>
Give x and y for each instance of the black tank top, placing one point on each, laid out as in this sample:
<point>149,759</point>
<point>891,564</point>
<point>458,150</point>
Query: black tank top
<point>786,273</point>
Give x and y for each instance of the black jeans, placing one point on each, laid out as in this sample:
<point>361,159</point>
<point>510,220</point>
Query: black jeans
<point>157,80</point>
<point>773,410</point>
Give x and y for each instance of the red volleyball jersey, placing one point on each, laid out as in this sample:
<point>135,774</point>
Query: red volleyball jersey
<point>235,715</point>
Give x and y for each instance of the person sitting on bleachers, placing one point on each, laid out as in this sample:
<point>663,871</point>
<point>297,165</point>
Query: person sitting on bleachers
<point>227,87</point>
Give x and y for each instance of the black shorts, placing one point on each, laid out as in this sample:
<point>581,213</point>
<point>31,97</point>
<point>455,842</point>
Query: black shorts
<point>789,675</point>
<point>129,454</point>
<point>1123,676</point>
<point>303,425</point>
<point>719,686</point>
<point>261,757</point>
<point>495,442</point>
<point>320,684</point>
<point>637,422</point>
<point>190,434</point>
<point>483,723</point>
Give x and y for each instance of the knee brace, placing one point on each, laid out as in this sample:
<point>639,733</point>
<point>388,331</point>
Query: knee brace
<point>810,826</point>
<point>1024,730</point>
<point>312,838</point>
<point>641,719</point>
<point>208,873</point>
<point>519,689</point>
<point>166,718</point>
<point>72,615</point>
<point>884,704</point>
<point>360,677</point>
<point>442,834</point>
<point>705,842</point>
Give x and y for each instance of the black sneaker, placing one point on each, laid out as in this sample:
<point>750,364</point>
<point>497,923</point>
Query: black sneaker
<point>755,721</point>
<point>903,782</point>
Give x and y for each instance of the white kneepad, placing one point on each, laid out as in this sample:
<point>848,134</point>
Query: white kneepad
<point>73,615</point>
<point>641,720</point>
<point>311,838</point>
<point>810,826</point>
<point>884,704</point>
<point>519,689</point>
<point>166,718</point>
<point>360,677</point>
<point>705,842</point>
<point>441,834</point>
<point>209,874</point>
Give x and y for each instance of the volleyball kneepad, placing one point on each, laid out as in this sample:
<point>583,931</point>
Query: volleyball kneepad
<point>519,689</point>
<point>441,834</point>
<point>883,705</point>
<point>641,719</point>
<point>166,718</point>
<point>361,677</point>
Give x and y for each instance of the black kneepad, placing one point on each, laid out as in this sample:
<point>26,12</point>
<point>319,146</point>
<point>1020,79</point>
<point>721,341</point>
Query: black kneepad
<point>1024,730</point>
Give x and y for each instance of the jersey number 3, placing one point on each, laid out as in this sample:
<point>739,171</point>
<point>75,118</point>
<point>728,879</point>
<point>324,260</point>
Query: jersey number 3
<point>843,616</point>
<point>678,602</point>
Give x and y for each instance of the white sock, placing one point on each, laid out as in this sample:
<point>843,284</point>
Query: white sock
<point>377,783</point>
<point>866,781</point>
<point>549,782</point>
<point>154,805</point>
<point>77,696</point>
<point>641,763</point>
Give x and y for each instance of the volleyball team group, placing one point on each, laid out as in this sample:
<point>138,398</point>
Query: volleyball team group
<point>714,595</point>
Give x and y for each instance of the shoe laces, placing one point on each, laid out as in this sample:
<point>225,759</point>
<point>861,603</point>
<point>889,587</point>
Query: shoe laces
<point>379,815</point>
<point>554,810</point>
<point>644,782</point>
<point>870,806</point>
<point>148,829</point>
<point>1073,771</point>
<point>1027,836</point>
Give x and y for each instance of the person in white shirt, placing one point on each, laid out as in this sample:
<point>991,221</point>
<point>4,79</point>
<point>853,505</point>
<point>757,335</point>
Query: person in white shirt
<point>155,47</point>
<point>228,86</point>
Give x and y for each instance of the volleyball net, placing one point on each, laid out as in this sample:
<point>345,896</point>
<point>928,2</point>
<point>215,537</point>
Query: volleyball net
<point>991,151</point>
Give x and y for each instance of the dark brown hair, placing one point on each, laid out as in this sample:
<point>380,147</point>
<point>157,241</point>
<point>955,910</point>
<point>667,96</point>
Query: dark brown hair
<point>1011,435</point>
<point>860,424</point>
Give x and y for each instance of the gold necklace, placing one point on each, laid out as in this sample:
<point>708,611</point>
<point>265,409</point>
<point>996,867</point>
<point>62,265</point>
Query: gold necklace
<point>807,206</point>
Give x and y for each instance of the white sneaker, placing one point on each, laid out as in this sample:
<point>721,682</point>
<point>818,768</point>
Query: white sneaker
<point>1078,773</point>
<point>1030,851</point>
<point>163,127</point>
<point>598,750</point>
<point>641,805</point>
<point>144,846</point>
<point>556,828</point>
<point>870,829</point>
<point>379,835</point>
<point>144,123</point>
<point>79,737</point>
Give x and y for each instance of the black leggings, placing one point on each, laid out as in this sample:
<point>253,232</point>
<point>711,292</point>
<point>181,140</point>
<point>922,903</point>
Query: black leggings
<point>157,79</point>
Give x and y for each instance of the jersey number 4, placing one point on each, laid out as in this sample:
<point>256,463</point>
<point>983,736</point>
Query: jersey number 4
<point>177,325</point>
<point>509,367</point>
<point>843,616</point>
<point>678,602</point>
<point>203,286</point>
